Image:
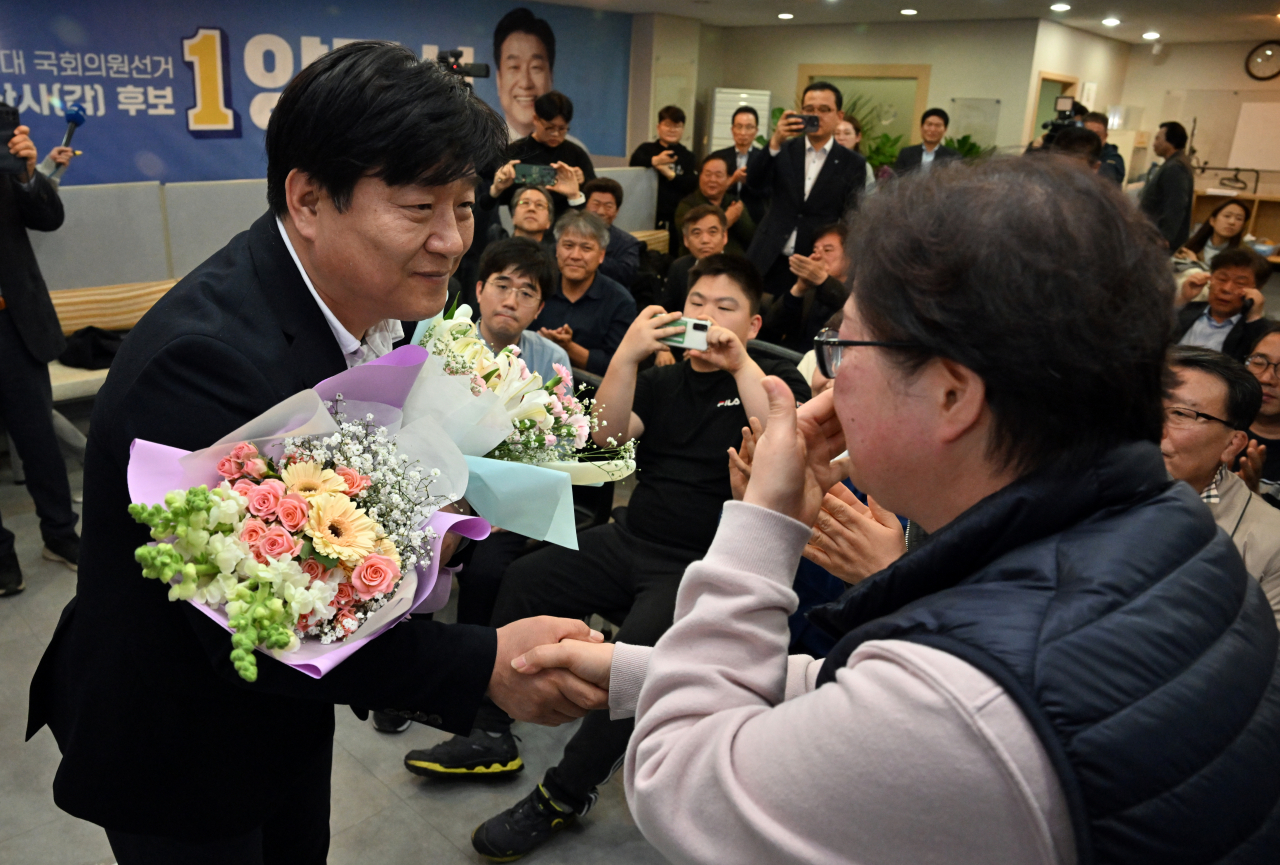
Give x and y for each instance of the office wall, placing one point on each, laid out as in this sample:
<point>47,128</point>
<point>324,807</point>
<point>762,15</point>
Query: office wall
<point>1085,56</point>
<point>711,42</point>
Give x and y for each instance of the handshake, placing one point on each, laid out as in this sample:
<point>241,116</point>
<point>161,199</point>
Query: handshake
<point>550,670</point>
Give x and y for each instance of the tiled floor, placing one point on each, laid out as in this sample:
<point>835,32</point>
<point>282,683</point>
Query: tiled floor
<point>380,812</point>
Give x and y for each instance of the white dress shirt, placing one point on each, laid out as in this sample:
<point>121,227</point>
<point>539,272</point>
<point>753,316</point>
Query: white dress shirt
<point>926,157</point>
<point>378,340</point>
<point>814,159</point>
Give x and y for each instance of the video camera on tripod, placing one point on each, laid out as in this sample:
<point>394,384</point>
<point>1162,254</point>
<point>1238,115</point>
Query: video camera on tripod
<point>452,62</point>
<point>1065,108</point>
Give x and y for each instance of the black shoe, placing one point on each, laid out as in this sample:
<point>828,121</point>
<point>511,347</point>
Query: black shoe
<point>10,575</point>
<point>477,755</point>
<point>521,828</point>
<point>386,722</point>
<point>64,550</point>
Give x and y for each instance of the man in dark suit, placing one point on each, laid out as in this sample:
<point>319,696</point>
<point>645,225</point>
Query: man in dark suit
<point>30,337</point>
<point>933,128</point>
<point>1170,188</point>
<point>370,164</point>
<point>811,181</point>
<point>746,124</point>
<point>1230,321</point>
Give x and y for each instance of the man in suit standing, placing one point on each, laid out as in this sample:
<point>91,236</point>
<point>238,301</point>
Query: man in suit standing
<point>371,159</point>
<point>1167,195</point>
<point>30,337</point>
<point>811,181</point>
<point>746,123</point>
<point>933,127</point>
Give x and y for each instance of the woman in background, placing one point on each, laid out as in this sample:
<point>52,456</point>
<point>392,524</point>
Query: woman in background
<point>1224,229</point>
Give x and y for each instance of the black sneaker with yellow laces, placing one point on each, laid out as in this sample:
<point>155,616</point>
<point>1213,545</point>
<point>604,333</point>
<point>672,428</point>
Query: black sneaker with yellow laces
<point>522,828</point>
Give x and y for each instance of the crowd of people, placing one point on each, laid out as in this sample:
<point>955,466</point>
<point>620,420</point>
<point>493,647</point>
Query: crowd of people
<point>958,542</point>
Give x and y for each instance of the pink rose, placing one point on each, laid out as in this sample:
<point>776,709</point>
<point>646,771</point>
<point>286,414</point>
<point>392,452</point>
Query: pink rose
<point>356,482</point>
<point>313,569</point>
<point>243,451</point>
<point>346,621</point>
<point>255,468</point>
<point>265,498</point>
<point>253,531</point>
<point>304,623</point>
<point>550,440</point>
<point>292,511</point>
<point>244,486</point>
<point>229,468</point>
<point>581,429</point>
<point>375,575</point>
<point>345,597</point>
<point>279,544</point>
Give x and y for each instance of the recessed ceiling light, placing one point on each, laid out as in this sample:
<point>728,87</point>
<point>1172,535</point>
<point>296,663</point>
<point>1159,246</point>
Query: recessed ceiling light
<point>785,16</point>
<point>1151,35</point>
<point>1110,22</point>
<point>908,11</point>
<point>1060,7</point>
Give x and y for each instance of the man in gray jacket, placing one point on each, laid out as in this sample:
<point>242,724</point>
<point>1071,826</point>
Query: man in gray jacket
<point>1166,199</point>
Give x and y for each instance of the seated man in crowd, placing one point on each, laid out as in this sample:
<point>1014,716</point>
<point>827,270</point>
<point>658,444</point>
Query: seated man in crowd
<point>548,145</point>
<point>1207,417</point>
<point>713,188</point>
<point>1260,463</point>
<point>745,125</point>
<point>515,278</point>
<point>675,164</point>
<point>1112,162</point>
<point>686,417</point>
<point>1230,321</point>
<point>589,313</point>
<point>819,292</point>
<point>933,128</point>
<point>622,255</point>
<point>706,233</point>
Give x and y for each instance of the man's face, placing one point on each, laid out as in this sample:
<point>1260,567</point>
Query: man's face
<point>830,251</point>
<point>393,249</point>
<point>531,215</point>
<point>550,132</point>
<point>745,129</point>
<point>1268,351</point>
<point>523,75</point>
<point>722,300</point>
<point>1160,144</point>
<point>579,256</point>
<point>713,180</point>
<point>603,205</point>
<point>1098,129</point>
<point>669,132</point>
<point>1226,289</point>
<point>846,135</point>
<point>932,130</point>
<point>823,104</point>
<point>1193,447</point>
<point>509,302</point>
<point>705,237</point>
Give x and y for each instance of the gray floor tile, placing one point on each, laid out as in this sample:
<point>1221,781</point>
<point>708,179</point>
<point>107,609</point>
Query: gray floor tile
<point>394,836</point>
<point>63,840</point>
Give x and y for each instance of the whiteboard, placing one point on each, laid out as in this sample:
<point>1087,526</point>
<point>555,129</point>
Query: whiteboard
<point>1256,143</point>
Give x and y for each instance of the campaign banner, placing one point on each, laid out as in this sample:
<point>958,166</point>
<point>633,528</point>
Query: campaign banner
<point>184,91</point>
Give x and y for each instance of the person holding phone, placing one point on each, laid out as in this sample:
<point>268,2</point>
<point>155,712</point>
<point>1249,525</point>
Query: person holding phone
<point>547,147</point>
<point>30,337</point>
<point>676,166</point>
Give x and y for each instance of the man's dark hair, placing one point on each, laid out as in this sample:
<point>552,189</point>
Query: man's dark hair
<point>1244,394</point>
<point>839,229</point>
<point>520,191</point>
<point>1039,277</point>
<point>741,270</point>
<point>827,86</point>
<point>553,104</point>
<point>372,109</point>
<point>1175,133</point>
<point>1269,326</point>
<point>715,157</point>
<point>1078,142</point>
<point>671,113</point>
<point>1097,117</point>
<point>1243,256</point>
<point>606,185</point>
<point>521,20</point>
<point>524,255</point>
<point>938,113</point>
<point>701,212</point>
<point>745,109</point>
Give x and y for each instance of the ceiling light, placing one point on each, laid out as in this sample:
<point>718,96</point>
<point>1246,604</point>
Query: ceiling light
<point>785,16</point>
<point>908,12</point>
<point>1060,7</point>
<point>1110,22</point>
<point>1151,35</point>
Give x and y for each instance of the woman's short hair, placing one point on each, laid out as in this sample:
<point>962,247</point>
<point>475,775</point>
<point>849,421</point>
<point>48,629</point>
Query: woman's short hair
<point>553,104</point>
<point>1041,278</point>
<point>373,109</point>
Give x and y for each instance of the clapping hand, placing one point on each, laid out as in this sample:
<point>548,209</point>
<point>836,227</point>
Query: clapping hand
<point>21,146</point>
<point>1252,459</point>
<point>561,336</point>
<point>740,459</point>
<point>852,540</point>
<point>810,271</point>
<point>739,176</point>
<point>552,696</point>
<point>733,212</point>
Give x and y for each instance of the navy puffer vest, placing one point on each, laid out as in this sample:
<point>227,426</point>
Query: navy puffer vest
<point>1122,621</point>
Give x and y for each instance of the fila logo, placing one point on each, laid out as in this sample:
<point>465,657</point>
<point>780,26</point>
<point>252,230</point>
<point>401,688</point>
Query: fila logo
<point>728,402</point>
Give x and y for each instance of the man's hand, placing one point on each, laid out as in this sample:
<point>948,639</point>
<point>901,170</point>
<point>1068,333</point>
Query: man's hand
<point>811,273</point>
<point>739,176</point>
<point>561,336</point>
<point>789,125</point>
<point>61,155</point>
<point>566,180</point>
<point>1252,459</point>
<point>792,467</point>
<point>503,178</point>
<point>579,175</point>
<point>854,541</point>
<point>21,146</point>
<point>590,662</point>
<point>740,459</point>
<point>641,339</point>
<point>1259,304</point>
<point>666,157</point>
<point>733,212</point>
<point>663,357</point>
<point>553,696</point>
<point>1192,286</point>
<point>724,350</point>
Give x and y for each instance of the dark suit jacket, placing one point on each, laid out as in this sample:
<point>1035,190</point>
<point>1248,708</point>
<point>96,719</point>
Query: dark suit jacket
<point>1240,339</point>
<point>756,202</point>
<point>621,257</point>
<point>836,190</point>
<point>25,295</point>
<point>1166,199</point>
<point>157,731</point>
<point>909,158</point>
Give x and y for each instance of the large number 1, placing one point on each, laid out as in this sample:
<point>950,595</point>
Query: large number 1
<point>208,55</point>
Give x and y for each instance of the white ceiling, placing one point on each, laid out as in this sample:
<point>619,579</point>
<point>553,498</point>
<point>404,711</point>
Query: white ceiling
<point>1174,20</point>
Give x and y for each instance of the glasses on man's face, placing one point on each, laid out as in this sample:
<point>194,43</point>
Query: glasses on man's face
<point>741,127</point>
<point>817,109</point>
<point>828,348</point>
<point>526,297</point>
<point>555,130</point>
<point>533,204</point>
<point>1259,364</point>
<point>1183,417</point>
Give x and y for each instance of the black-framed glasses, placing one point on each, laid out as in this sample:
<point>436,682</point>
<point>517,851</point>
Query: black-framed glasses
<point>828,348</point>
<point>1258,364</point>
<point>1183,417</point>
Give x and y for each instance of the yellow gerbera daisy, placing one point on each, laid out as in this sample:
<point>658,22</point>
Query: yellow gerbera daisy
<point>308,480</point>
<point>340,529</point>
<point>384,547</point>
